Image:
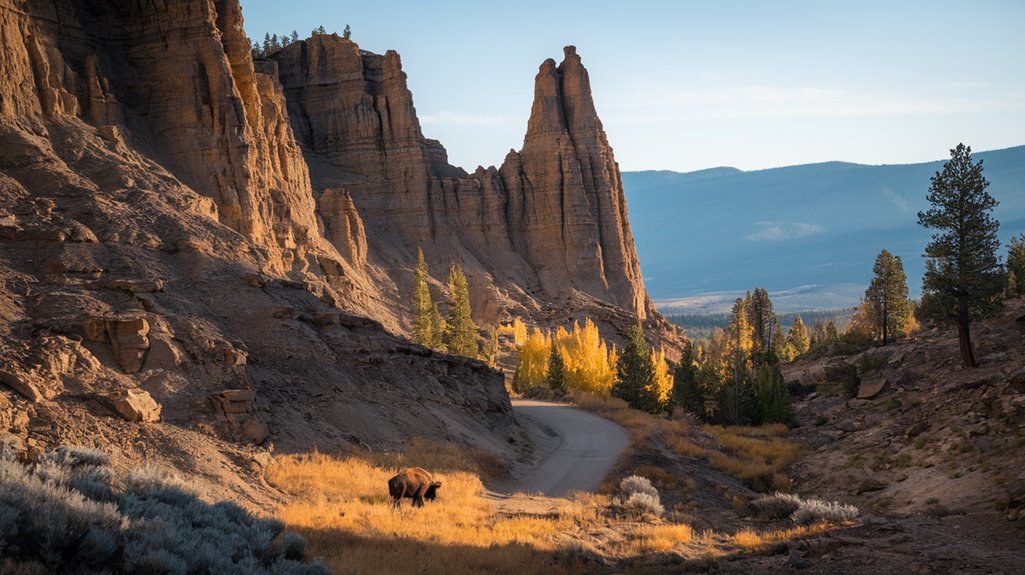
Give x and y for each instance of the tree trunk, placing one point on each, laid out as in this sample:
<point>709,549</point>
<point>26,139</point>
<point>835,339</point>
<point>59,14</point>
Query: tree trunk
<point>964,337</point>
<point>885,318</point>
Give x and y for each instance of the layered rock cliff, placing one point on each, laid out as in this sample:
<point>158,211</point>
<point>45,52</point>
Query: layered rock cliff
<point>546,236</point>
<point>166,289</point>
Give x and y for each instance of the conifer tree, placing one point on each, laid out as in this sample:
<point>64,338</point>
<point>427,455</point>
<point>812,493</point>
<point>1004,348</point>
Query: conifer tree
<point>773,395</point>
<point>635,374</point>
<point>266,44</point>
<point>762,320</point>
<point>797,337</point>
<point>274,44</point>
<point>962,274</point>
<point>423,306</point>
<point>347,33</point>
<point>1016,266</point>
<point>294,37</point>
<point>887,297</point>
<point>556,378</point>
<point>461,332</point>
<point>687,393</point>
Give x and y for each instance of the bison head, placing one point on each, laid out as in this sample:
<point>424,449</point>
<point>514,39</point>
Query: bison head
<point>432,491</point>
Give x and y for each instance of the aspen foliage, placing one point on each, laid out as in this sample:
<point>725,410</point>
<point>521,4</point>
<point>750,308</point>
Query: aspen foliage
<point>589,362</point>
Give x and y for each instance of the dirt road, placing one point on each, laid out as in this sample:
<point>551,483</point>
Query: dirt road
<point>583,447</point>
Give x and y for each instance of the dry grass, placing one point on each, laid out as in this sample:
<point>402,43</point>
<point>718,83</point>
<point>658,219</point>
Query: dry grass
<point>422,452</point>
<point>342,507</point>
<point>661,538</point>
<point>756,456</point>
<point>752,540</point>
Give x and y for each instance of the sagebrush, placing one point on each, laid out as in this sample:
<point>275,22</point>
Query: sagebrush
<point>67,512</point>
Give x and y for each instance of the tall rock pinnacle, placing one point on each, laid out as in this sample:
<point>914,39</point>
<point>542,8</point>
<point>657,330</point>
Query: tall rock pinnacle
<point>567,194</point>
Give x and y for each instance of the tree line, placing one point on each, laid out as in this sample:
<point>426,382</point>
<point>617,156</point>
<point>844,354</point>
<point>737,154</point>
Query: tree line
<point>272,43</point>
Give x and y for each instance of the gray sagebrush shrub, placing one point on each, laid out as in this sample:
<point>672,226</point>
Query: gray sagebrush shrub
<point>802,511</point>
<point>65,514</point>
<point>637,484</point>
<point>640,496</point>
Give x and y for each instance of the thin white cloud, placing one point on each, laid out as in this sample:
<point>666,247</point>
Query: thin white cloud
<point>781,231</point>
<point>449,118</point>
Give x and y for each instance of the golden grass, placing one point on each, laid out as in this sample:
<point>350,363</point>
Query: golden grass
<point>750,540</point>
<point>422,452</point>
<point>343,509</point>
<point>660,538</point>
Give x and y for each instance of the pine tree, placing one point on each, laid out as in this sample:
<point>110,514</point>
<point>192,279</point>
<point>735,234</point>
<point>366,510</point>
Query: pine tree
<point>274,44</point>
<point>887,297</point>
<point>687,393</point>
<point>556,370</point>
<point>347,33</point>
<point>773,395</point>
<point>797,337</point>
<point>962,274</point>
<point>266,44</point>
<point>461,332</point>
<point>1016,266</point>
<point>423,306</point>
<point>294,37</point>
<point>762,320</point>
<point>635,374</point>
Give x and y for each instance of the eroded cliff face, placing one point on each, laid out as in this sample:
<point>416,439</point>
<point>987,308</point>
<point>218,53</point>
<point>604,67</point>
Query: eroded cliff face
<point>167,291</point>
<point>546,236</point>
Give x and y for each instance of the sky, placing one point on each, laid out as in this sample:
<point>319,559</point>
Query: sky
<point>691,85</point>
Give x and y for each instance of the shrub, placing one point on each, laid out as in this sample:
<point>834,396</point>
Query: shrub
<point>640,496</point>
<point>643,503</point>
<point>637,484</point>
<point>776,506</point>
<point>802,511</point>
<point>816,510</point>
<point>63,514</point>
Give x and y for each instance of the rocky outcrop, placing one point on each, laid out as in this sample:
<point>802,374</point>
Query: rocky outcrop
<point>159,246</point>
<point>548,229</point>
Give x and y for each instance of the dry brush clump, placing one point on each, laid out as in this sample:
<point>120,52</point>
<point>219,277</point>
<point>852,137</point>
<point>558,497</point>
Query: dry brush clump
<point>803,511</point>
<point>640,496</point>
<point>68,513</point>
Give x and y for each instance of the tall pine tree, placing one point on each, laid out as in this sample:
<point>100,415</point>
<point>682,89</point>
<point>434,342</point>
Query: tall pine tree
<point>423,306</point>
<point>635,374</point>
<point>962,273</point>
<point>687,393</point>
<point>461,332</point>
<point>887,297</point>
<point>556,370</point>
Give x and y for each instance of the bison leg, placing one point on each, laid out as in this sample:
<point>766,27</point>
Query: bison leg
<point>418,501</point>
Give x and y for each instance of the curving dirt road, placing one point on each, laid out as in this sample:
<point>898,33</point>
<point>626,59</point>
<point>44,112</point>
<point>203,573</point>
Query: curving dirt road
<point>585,448</point>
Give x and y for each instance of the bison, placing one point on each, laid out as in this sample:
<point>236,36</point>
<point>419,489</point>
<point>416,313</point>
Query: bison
<point>415,483</point>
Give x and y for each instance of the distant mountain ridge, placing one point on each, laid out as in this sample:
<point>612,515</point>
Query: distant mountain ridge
<point>809,232</point>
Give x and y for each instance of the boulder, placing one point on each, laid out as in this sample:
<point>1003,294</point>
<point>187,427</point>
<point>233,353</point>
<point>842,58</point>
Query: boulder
<point>22,382</point>
<point>127,338</point>
<point>136,405</point>
<point>163,353</point>
<point>870,389</point>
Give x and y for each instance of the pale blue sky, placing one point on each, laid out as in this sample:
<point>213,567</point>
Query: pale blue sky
<point>686,86</point>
